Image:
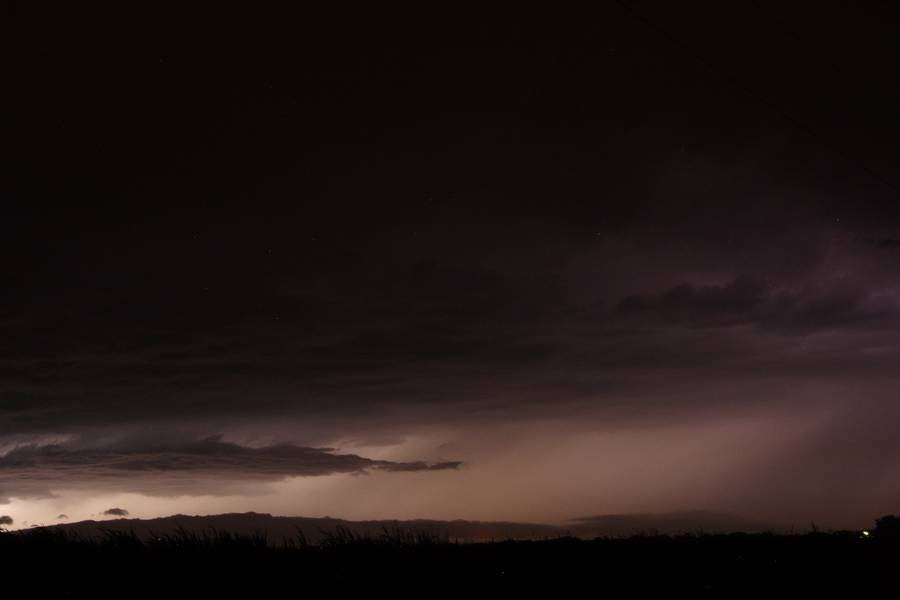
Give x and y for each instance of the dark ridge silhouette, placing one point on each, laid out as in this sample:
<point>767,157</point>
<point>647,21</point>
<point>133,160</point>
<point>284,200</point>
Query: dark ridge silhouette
<point>314,529</point>
<point>405,563</point>
<point>279,528</point>
<point>689,521</point>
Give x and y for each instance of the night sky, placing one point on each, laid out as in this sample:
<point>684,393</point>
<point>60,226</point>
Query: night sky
<point>408,262</point>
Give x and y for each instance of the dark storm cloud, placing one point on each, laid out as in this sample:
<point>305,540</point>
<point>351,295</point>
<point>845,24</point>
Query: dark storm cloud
<point>32,470</point>
<point>888,243</point>
<point>6,520</point>
<point>785,309</point>
<point>431,336</point>
<point>417,324</point>
<point>373,227</point>
<point>116,512</point>
<point>729,304</point>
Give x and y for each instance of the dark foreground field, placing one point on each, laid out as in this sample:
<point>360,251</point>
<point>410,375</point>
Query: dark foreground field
<point>400,564</point>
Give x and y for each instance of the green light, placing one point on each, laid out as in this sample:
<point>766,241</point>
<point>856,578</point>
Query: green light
<point>866,534</point>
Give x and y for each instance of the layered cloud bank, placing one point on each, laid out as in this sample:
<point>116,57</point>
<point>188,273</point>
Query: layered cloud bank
<point>207,466</point>
<point>566,254</point>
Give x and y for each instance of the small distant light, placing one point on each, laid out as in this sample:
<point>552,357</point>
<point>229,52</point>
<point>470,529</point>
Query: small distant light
<point>866,534</point>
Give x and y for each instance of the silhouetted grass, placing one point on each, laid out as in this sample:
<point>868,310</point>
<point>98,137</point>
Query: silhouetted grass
<point>399,563</point>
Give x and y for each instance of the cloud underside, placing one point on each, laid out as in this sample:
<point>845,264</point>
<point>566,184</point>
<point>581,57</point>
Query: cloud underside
<point>444,341</point>
<point>745,301</point>
<point>207,466</point>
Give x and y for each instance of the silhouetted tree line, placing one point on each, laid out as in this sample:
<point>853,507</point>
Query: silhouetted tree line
<point>404,564</point>
<point>887,526</point>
